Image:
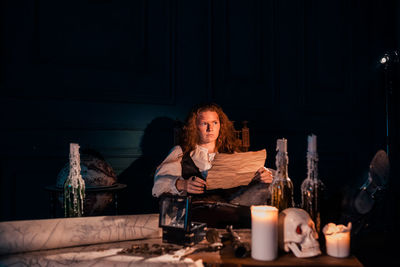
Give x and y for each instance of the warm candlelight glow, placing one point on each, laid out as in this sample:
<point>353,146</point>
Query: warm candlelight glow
<point>264,232</point>
<point>337,239</point>
<point>266,213</point>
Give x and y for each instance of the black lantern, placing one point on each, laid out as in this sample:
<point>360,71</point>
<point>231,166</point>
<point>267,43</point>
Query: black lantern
<point>176,223</point>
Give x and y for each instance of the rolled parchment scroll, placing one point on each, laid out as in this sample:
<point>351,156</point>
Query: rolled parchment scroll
<point>31,235</point>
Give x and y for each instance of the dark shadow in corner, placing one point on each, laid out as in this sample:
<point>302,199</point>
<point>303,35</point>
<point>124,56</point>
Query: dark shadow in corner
<point>157,141</point>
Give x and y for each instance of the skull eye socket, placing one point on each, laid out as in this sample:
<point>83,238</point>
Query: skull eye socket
<point>298,230</point>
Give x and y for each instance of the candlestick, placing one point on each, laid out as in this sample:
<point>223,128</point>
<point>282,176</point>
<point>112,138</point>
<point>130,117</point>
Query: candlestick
<point>312,187</point>
<point>281,145</point>
<point>312,143</point>
<point>74,185</point>
<point>264,233</point>
<point>337,239</point>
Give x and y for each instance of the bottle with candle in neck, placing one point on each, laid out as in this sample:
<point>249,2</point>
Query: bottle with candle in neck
<point>74,186</point>
<point>312,187</point>
<point>281,187</point>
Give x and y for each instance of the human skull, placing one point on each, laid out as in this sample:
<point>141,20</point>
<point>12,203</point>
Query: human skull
<point>297,233</point>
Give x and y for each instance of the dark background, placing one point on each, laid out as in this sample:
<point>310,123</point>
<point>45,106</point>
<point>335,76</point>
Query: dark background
<point>114,76</point>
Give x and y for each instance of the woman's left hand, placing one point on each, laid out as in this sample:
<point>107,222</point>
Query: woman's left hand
<point>263,175</point>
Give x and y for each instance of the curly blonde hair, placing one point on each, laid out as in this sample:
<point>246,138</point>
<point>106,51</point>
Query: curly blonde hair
<point>226,141</point>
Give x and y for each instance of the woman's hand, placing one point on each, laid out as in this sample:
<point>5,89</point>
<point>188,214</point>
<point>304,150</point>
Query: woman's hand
<point>263,175</point>
<point>193,185</point>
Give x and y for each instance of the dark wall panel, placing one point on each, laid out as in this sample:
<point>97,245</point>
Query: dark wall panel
<point>114,75</point>
<point>242,40</point>
<point>329,55</point>
<point>92,50</point>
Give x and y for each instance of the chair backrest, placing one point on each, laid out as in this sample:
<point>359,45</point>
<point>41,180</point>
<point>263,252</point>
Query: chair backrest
<point>242,135</point>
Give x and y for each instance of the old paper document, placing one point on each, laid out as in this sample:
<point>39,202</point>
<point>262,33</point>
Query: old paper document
<point>232,170</point>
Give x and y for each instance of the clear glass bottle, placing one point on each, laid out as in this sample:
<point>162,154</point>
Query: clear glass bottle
<point>312,187</point>
<point>281,187</point>
<point>74,186</point>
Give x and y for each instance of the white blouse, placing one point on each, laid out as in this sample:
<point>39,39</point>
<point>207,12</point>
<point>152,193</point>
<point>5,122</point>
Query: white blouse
<point>170,169</point>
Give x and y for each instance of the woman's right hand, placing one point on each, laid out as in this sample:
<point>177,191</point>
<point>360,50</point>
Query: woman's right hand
<point>193,185</point>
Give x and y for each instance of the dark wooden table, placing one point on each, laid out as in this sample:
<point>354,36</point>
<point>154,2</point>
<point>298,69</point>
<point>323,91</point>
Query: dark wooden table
<point>227,258</point>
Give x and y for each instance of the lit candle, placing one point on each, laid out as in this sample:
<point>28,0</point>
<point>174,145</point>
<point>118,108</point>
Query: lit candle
<point>281,145</point>
<point>337,239</point>
<point>264,233</point>
<point>312,143</point>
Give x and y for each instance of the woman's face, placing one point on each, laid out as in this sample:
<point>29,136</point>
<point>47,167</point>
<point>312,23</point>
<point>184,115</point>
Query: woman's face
<point>208,126</point>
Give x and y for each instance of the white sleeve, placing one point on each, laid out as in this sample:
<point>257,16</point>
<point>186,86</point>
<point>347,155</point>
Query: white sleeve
<point>167,173</point>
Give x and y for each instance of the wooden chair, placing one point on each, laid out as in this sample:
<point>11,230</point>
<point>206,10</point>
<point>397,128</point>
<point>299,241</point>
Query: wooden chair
<point>243,136</point>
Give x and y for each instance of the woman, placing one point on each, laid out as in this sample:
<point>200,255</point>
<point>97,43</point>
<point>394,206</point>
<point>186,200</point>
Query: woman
<point>207,131</point>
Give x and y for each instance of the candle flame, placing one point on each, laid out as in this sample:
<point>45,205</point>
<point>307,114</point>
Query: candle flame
<point>332,228</point>
<point>264,211</point>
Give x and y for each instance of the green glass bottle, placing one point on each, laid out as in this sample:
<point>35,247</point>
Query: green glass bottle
<point>281,187</point>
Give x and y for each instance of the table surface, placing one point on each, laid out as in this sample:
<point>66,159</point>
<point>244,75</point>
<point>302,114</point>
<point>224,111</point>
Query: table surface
<point>110,254</point>
<point>227,258</point>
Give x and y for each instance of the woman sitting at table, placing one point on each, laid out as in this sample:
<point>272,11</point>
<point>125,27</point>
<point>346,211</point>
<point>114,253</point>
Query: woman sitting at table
<point>207,131</point>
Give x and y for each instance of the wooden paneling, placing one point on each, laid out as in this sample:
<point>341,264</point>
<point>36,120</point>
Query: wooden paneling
<point>242,43</point>
<point>93,50</point>
<point>113,76</point>
<point>328,56</point>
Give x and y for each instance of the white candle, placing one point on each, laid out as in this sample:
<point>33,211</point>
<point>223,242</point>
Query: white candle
<point>337,240</point>
<point>312,143</point>
<point>281,145</point>
<point>264,233</point>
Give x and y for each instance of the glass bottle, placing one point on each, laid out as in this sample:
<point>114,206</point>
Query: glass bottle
<point>74,186</point>
<point>281,187</point>
<point>311,188</point>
